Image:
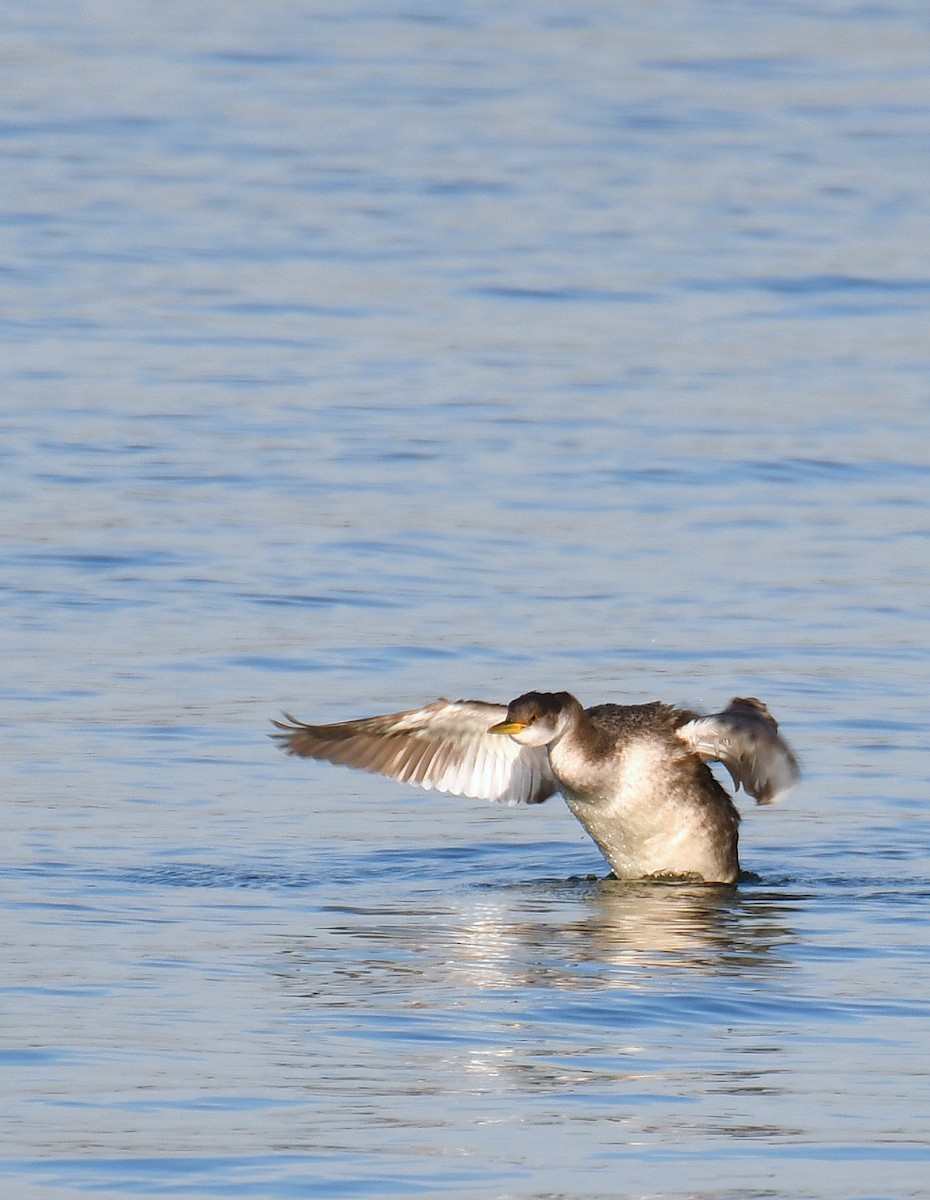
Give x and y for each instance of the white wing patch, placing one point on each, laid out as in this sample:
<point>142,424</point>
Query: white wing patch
<point>745,738</point>
<point>443,746</point>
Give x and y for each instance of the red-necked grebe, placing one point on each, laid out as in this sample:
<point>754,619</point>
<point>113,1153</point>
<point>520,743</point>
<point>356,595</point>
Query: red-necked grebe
<point>635,775</point>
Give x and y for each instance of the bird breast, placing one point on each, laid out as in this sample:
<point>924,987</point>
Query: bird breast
<point>644,815</point>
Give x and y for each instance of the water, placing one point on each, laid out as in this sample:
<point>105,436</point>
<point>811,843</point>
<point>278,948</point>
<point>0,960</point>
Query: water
<point>357,355</point>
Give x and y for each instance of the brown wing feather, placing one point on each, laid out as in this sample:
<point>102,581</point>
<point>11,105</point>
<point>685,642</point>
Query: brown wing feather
<point>444,745</point>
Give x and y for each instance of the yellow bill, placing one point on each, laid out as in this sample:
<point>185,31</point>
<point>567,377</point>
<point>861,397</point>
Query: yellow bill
<point>507,727</point>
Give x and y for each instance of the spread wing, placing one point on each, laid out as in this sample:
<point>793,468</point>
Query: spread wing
<point>445,745</point>
<point>745,738</point>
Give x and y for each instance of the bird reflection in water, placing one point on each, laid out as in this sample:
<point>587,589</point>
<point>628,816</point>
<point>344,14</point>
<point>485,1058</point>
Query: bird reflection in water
<point>585,934</point>
<point>623,924</point>
<point>550,985</point>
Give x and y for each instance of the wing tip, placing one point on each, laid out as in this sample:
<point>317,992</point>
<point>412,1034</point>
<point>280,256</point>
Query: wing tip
<point>285,731</point>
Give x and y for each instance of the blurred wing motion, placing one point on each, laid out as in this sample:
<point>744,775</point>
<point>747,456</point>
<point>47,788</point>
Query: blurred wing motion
<point>445,745</point>
<point>745,738</point>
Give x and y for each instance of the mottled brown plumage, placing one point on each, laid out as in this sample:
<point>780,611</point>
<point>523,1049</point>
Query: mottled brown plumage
<point>634,775</point>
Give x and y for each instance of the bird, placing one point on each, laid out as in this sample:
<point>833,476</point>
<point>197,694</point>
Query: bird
<point>634,775</point>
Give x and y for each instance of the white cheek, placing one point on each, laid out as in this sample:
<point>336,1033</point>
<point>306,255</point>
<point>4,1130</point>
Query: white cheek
<point>531,736</point>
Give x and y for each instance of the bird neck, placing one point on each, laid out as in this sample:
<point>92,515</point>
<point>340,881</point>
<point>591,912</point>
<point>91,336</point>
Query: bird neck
<point>578,749</point>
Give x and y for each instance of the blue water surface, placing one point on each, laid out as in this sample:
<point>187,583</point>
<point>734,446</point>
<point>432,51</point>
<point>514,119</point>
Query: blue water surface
<point>361,354</point>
